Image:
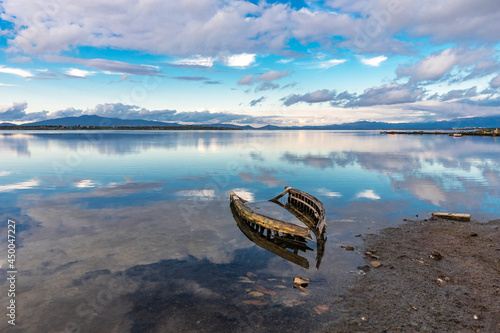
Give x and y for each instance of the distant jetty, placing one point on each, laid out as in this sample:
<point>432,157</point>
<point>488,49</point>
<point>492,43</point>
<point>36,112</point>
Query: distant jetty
<point>482,132</point>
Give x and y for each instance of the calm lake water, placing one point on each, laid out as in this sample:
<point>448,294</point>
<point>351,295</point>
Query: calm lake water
<point>132,231</point>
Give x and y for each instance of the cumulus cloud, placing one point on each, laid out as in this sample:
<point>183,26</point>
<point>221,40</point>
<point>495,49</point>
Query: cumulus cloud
<point>205,27</point>
<point>240,60</point>
<point>459,93</point>
<point>478,21</point>
<point>495,82</point>
<point>391,93</point>
<point>17,112</point>
<point>439,64</point>
<point>213,27</point>
<point>123,111</point>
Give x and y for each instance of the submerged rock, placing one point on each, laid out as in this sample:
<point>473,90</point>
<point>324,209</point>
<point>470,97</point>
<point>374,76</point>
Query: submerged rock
<point>436,255</point>
<point>300,282</point>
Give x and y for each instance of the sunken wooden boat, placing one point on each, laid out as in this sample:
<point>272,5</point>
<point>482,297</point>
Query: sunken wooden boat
<point>285,247</point>
<point>267,222</point>
<point>308,209</point>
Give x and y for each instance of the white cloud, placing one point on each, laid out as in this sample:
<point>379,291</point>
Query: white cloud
<point>368,194</point>
<point>214,27</point>
<point>197,61</point>
<point>20,186</point>
<point>200,194</point>
<point>328,63</point>
<point>245,194</point>
<point>205,27</point>
<point>240,60</point>
<point>5,173</point>
<point>16,71</point>
<point>375,62</point>
<point>79,72</point>
<point>327,193</point>
<point>85,183</point>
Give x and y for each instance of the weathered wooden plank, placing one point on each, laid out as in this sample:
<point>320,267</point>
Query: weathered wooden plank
<point>281,194</point>
<point>453,216</point>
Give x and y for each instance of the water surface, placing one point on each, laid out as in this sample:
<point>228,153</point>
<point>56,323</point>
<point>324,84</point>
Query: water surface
<point>132,231</point>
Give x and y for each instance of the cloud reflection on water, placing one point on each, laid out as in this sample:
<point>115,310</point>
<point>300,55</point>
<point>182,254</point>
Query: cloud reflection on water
<point>93,221</point>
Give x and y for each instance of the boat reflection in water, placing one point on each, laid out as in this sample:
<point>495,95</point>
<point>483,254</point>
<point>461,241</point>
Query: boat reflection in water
<point>282,238</point>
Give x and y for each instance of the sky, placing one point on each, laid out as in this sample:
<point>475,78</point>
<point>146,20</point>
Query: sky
<point>250,62</point>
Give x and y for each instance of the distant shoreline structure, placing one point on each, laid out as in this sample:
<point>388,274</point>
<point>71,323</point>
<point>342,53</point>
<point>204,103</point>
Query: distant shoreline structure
<point>478,132</point>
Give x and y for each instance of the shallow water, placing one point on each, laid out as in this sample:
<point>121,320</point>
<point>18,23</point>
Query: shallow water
<point>132,231</point>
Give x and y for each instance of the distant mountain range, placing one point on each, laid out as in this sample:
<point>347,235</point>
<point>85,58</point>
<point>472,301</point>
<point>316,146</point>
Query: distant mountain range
<point>493,121</point>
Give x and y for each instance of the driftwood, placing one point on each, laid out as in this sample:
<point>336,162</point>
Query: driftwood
<point>453,216</point>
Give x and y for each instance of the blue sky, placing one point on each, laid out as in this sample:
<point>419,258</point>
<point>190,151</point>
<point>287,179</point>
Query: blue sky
<point>250,62</point>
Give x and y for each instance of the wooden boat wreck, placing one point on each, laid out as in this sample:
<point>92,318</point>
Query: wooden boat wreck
<point>283,235</point>
<point>284,247</point>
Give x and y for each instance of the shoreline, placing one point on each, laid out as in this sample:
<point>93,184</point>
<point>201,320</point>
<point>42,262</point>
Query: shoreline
<point>436,275</point>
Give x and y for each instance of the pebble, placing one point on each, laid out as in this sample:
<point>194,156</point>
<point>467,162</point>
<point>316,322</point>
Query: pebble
<point>376,264</point>
<point>436,255</point>
<point>347,247</point>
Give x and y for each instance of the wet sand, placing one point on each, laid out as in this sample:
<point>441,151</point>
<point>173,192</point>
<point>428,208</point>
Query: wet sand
<point>436,276</point>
